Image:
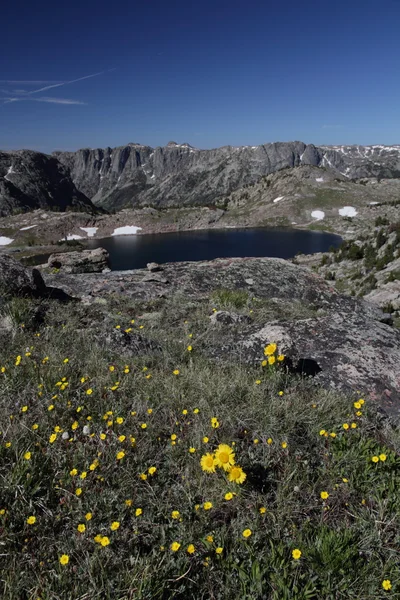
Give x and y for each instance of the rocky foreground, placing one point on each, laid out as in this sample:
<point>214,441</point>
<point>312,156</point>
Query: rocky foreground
<point>342,342</point>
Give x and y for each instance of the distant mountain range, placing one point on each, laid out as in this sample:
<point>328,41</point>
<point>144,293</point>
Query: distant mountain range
<point>175,175</point>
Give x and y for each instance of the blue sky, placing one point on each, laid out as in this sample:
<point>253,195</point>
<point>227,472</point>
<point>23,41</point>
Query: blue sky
<point>210,73</point>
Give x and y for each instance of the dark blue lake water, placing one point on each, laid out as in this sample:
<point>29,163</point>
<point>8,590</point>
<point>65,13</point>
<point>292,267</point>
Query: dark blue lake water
<point>135,251</point>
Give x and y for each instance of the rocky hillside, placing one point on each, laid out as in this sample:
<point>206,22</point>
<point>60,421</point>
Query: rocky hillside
<point>178,174</point>
<point>367,266</point>
<point>30,180</point>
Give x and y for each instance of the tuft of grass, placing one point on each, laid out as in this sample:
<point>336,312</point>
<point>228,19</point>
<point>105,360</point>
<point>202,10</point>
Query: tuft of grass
<point>228,299</point>
<point>290,437</point>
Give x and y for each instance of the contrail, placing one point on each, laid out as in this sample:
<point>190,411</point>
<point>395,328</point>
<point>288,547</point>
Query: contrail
<point>49,87</point>
<point>25,96</point>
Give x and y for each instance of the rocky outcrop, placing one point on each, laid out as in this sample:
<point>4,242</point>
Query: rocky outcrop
<point>86,261</point>
<point>126,342</point>
<point>16,280</point>
<point>387,296</point>
<point>338,340</point>
<point>178,174</point>
<point>31,180</point>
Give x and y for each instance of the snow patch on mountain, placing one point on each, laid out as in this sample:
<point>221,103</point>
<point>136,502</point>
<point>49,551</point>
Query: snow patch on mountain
<point>348,211</point>
<point>91,231</point>
<point>4,241</point>
<point>126,230</point>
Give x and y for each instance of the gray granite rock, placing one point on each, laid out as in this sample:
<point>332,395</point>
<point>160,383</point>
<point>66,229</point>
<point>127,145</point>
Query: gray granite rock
<point>16,280</point>
<point>86,261</point>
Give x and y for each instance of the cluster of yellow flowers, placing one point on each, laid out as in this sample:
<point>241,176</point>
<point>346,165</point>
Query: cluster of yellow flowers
<point>271,352</point>
<point>109,428</point>
<point>223,457</point>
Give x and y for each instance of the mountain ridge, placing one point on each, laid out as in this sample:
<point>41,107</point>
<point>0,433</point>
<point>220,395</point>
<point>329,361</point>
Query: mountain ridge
<point>138,175</point>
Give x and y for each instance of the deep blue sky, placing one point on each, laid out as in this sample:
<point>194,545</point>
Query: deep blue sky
<point>210,72</point>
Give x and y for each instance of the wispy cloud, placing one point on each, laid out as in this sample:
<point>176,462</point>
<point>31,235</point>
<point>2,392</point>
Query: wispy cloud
<point>25,82</point>
<point>17,95</point>
<point>52,100</point>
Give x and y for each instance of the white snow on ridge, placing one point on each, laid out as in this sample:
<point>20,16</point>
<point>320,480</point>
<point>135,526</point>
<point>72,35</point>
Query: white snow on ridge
<point>319,179</point>
<point>318,215</point>
<point>29,227</point>
<point>126,230</point>
<point>89,230</point>
<point>348,211</point>
<point>10,170</point>
<point>4,241</point>
<point>371,203</point>
<point>278,198</point>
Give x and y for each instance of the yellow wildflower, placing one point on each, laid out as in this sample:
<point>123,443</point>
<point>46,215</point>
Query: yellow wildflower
<point>207,463</point>
<point>224,457</point>
<point>175,546</point>
<point>386,584</point>
<point>237,474</point>
<point>247,533</point>
<point>270,349</point>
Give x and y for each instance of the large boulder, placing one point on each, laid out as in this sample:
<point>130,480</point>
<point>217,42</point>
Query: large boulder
<point>386,296</point>
<point>125,342</point>
<point>343,351</point>
<point>16,280</point>
<point>87,261</point>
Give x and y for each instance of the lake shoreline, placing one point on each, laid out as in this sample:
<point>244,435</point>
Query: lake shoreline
<point>135,251</point>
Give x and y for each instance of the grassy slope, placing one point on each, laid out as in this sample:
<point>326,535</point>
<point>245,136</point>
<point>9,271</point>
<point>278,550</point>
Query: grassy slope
<point>349,542</point>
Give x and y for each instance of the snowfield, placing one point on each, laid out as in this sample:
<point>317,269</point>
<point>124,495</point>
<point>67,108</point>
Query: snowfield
<point>348,211</point>
<point>91,231</point>
<point>318,215</point>
<point>126,230</point>
<point>4,241</point>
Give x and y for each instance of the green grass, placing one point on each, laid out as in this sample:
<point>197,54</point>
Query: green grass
<point>272,421</point>
<point>224,298</point>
